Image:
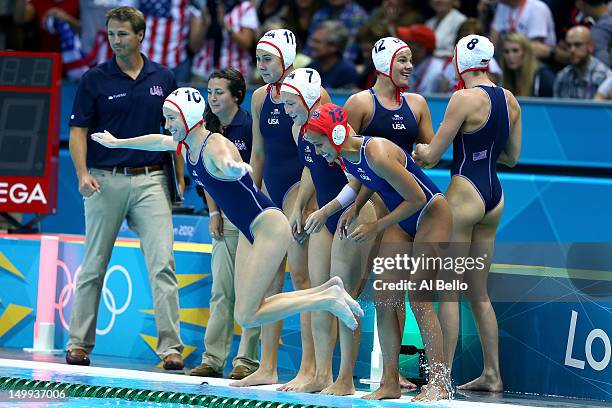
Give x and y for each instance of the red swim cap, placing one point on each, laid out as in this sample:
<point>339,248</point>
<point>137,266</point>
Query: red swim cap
<point>332,121</point>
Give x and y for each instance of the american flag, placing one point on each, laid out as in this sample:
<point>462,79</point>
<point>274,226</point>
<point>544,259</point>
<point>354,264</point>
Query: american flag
<point>167,33</point>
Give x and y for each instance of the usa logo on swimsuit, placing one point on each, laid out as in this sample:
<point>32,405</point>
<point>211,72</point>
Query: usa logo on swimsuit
<point>274,121</point>
<point>400,125</point>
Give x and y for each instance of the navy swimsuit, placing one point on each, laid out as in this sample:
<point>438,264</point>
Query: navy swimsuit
<point>397,125</point>
<point>282,168</point>
<point>475,153</point>
<point>240,200</point>
<point>364,173</point>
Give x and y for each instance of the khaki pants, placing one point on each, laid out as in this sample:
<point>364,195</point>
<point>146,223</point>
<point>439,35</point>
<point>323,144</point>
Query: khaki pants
<point>220,330</point>
<point>144,201</point>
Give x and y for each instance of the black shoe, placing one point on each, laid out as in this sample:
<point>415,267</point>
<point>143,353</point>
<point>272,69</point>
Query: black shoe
<point>77,357</point>
<point>173,361</point>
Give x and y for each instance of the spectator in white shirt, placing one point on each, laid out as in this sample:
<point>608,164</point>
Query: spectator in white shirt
<point>532,18</point>
<point>445,24</point>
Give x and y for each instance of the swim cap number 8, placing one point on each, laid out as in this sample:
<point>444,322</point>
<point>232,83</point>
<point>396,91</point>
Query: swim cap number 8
<point>472,44</point>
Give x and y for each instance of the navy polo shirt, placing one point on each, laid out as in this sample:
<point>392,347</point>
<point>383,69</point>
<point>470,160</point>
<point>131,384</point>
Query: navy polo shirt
<point>107,98</point>
<point>240,132</point>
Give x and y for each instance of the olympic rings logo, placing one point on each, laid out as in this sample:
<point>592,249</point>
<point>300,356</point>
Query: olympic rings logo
<point>108,297</point>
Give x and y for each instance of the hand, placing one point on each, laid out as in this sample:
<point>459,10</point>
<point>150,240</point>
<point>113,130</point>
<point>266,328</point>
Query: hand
<point>237,169</point>
<point>420,153</point>
<point>88,185</point>
<point>540,49</point>
<point>215,226</point>
<point>345,220</point>
<point>56,13</point>
<point>364,232</point>
<point>105,139</point>
<point>295,221</point>
<point>315,222</point>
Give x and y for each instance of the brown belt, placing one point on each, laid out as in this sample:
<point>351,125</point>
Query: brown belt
<point>132,171</point>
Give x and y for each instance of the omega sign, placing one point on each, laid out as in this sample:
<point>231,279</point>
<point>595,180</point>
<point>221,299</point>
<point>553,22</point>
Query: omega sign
<point>20,193</point>
<point>30,85</point>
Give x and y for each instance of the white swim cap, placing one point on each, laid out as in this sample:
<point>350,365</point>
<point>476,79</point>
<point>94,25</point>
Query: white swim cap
<point>384,52</point>
<point>281,43</point>
<point>306,83</point>
<point>473,52</point>
<point>190,104</point>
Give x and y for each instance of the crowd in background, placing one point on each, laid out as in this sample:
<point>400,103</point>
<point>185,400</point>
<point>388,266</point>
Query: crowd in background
<point>546,48</point>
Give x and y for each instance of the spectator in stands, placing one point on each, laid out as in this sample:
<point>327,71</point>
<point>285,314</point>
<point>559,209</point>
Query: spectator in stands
<point>601,13</point>
<point>58,25</point>
<point>523,74</point>
<point>395,13</point>
<point>176,31</point>
<point>45,13</point>
<point>226,91</point>
<point>565,15</point>
<point>12,35</point>
<point>605,90</point>
<point>327,44</point>
<point>532,18</point>
<point>229,40</point>
<point>367,36</point>
<point>298,18</point>
<point>427,69</point>
<point>448,80</point>
<point>350,14</point>
<point>93,27</point>
<point>445,24</point>
<point>270,9</point>
<point>586,73</point>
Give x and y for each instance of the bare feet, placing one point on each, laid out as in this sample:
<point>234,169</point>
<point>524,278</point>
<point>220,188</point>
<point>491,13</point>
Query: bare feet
<point>353,304</point>
<point>432,392</point>
<point>340,308</point>
<point>385,391</point>
<point>316,385</point>
<point>484,383</point>
<point>340,387</point>
<point>299,381</point>
<point>406,385</point>
<point>259,377</point>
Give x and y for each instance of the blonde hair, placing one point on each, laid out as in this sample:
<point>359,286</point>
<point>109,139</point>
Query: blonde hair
<point>520,81</point>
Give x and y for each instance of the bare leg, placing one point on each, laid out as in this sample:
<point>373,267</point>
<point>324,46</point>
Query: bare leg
<point>324,326</point>
<point>435,229</point>
<point>256,268</point>
<point>350,262</point>
<point>381,210</point>
<point>390,342</point>
<point>267,373</point>
<point>484,314</point>
<point>387,318</point>
<point>297,257</point>
<point>468,209</point>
